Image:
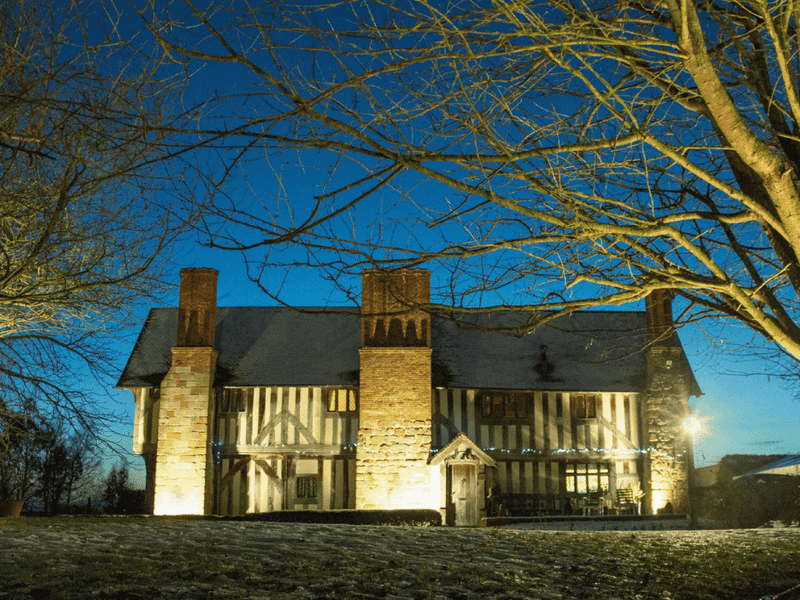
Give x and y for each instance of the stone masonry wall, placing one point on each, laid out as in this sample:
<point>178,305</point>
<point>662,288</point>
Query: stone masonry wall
<point>665,406</point>
<point>184,460</point>
<point>394,437</point>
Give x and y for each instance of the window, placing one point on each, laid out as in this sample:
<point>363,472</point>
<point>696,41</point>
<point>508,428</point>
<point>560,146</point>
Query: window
<point>342,400</point>
<point>584,406</point>
<point>231,400</point>
<point>504,405</point>
<point>583,478</point>
<point>307,487</point>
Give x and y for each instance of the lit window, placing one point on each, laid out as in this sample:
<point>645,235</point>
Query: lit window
<point>504,405</point>
<point>583,478</point>
<point>307,487</point>
<point>342,400</point>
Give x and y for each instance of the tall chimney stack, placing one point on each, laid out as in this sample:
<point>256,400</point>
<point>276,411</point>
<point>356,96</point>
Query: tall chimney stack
<point>395,396</point>
<point>197,307</point>
<point>184,462</point>
<point>660,326</point>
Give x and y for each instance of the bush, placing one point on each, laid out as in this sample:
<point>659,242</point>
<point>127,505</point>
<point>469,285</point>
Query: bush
<point>755,500</point>
<point>410,517</point>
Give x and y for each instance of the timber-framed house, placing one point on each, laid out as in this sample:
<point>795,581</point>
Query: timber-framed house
<point>256,409</point>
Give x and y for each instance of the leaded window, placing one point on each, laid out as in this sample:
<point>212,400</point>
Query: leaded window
<point>583,478</point>
<point>505,404</point>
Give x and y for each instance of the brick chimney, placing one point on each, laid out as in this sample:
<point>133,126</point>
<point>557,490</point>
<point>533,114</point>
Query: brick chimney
<point>184,461</point>
<point>392,306</point>
<point>395,397</point>
<point>660,327</point>
<point>197,307</point>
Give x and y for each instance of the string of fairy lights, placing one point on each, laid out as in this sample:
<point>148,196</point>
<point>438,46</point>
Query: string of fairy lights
<point>558,453</point>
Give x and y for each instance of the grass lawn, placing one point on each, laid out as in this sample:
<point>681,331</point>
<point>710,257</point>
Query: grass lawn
<point>138,557</point>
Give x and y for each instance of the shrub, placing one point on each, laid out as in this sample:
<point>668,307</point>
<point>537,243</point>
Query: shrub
<point>409,517</point>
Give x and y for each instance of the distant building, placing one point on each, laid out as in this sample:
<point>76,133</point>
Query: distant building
<point>750,490</point>
<point>259,409</point>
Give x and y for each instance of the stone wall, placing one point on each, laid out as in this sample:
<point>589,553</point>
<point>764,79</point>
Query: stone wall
<point>394,437</point>
<point>668,446</point>
<point>184,461</point>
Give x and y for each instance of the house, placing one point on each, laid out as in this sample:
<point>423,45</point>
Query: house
<point>255,409</point>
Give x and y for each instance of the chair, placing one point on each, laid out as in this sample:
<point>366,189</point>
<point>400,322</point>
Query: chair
<point>626,502</point>
<point>594,503</point>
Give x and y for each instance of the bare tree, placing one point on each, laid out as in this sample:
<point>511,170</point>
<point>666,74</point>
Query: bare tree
<point>44,459</point>
<point>87,197</point>
<point>564,154</point>
<point>69,466</point>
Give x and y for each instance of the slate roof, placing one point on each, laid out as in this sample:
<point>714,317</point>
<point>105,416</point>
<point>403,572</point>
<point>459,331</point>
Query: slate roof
<point>262,346</point>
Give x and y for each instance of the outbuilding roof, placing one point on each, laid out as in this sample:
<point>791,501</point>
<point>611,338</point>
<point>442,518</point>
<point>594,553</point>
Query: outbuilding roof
<point>271,346</point>
<point>788,465</point>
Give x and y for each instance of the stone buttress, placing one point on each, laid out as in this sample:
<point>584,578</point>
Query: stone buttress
<point>184,457</point>
<point>394,436</point>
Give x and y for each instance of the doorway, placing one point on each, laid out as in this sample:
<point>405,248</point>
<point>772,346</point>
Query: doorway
<point>463,496</point>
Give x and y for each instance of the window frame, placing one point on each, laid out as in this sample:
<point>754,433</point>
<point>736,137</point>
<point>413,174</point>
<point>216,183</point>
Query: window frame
<point>341,399</point>
<point>232,400</point>
<point>584,406</point>
<point>505,405</point>
<point>577,473</point>
<point>306,489</point>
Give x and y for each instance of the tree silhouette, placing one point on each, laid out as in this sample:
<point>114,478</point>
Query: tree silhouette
<point>553,154</point>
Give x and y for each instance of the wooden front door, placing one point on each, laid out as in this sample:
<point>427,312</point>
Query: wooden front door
<point>464,494</point>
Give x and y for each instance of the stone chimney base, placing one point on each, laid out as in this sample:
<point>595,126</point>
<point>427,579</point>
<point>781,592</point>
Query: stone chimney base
<point>184,456</point>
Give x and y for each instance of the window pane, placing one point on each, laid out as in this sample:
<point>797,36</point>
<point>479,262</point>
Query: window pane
<point>497,405</point>
<point>522,405</point>
<point>307,487</point>
<point>510,409</point>
<point>486,405</point>
<point>591,405</point>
